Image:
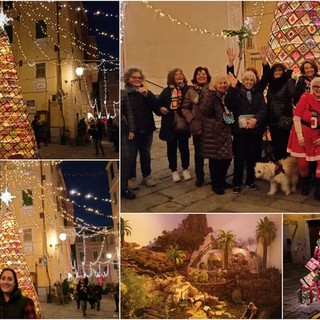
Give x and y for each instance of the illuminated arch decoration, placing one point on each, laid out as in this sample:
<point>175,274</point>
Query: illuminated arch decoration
<point>295,33</point>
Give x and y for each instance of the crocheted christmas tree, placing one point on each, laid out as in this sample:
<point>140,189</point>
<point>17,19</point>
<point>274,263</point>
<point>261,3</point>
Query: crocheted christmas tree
<point>16,135</point>
<point>295,33</point>
<point>12,256</point>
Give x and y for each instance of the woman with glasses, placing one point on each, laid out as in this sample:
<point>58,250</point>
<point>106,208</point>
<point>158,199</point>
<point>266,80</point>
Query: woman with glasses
<point>280,108</point>
<point>304,140</point>
<point>143,103</point>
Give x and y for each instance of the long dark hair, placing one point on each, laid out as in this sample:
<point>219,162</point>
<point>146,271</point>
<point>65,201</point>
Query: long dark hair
<point>16,285</point>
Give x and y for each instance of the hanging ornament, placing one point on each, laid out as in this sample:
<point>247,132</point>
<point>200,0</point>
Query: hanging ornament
<point>6,197</point>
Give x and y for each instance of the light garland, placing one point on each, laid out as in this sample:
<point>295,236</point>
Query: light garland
<point>31,179</point>
<point>63,33</point>
<point>249,22</point>
<point>183,23</point>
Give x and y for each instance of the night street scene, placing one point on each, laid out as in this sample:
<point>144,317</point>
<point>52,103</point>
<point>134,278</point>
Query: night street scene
<point>59,233</point>
<point>59,80</point>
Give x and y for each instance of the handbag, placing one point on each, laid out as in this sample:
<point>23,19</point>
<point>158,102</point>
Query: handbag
<point>180,123</point>
<point>285,122</point>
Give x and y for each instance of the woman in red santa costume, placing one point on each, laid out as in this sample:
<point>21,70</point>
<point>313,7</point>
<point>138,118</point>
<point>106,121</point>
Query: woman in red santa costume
<point>304,140</point>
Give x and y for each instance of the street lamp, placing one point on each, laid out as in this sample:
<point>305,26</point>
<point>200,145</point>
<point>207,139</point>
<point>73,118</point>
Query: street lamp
<point>79,71</point>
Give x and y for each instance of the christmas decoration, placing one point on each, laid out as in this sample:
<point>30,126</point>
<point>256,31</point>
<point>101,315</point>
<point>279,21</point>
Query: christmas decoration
<point>16,134</point>
<point>12,256</point>
<point>295,33</point>
<point>310,289</point>
<point>6,197</point>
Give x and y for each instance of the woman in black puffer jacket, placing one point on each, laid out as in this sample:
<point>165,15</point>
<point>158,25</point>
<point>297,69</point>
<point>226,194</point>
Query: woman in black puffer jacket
<point>215,138</point>
<point>280,108</point>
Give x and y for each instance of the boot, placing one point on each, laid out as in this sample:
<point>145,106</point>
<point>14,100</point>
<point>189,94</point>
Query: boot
<point>305,185</point>
<point>316,194</point>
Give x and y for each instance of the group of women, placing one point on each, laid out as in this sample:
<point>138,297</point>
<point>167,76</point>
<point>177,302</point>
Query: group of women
<point>227,119</point>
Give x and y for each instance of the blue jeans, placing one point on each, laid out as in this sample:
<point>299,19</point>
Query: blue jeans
<point>142,144</point>
<point>127,154</point>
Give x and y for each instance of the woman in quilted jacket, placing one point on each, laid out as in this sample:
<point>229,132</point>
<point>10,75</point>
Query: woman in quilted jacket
<point>216,142</point>
<point>191,111</point>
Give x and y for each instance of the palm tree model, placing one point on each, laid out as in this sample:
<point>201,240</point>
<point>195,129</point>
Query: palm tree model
<point>175,255</point>
<point>125,229</point>
<point>266,232</point>
<point>225,243</point>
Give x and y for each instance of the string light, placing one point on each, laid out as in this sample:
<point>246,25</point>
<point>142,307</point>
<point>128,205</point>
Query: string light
<point>182,23</point>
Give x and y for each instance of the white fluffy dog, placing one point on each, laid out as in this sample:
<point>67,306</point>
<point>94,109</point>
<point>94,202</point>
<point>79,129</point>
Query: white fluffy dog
<point>285,172</point>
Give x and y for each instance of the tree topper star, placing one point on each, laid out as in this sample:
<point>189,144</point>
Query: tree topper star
<point>6,197</point>
<point>4,19</point>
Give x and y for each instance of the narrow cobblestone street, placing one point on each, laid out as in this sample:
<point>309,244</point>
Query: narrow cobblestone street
<point>71,151</point>
<point>70,311</point>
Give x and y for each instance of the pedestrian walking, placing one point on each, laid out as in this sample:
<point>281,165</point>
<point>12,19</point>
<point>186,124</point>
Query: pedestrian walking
<point>82,292</point>
<point>59,292</point>
<point>98,136</point>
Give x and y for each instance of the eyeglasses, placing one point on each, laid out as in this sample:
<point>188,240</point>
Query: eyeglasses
<point>315,87</point>
<point>136,78</point>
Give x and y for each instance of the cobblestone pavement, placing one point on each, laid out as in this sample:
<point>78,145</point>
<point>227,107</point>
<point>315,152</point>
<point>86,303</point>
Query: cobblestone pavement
<point>70,311</point>
<point>68,151</point>
<point>184,196</point>
<point>292,309</point>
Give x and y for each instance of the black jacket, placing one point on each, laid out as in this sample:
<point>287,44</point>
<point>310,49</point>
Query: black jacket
<point>127,116</point>
<point>280,98</point>
<point>236,100</point>
<point>143,107</point>
<point>16,307</point>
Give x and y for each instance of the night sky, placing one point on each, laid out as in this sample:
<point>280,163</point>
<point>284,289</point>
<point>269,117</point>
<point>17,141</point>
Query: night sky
<point>109,24</point>
<point>88,177</point>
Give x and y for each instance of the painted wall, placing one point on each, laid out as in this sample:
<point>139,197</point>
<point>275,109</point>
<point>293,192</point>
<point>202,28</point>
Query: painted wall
<point>157,43</point>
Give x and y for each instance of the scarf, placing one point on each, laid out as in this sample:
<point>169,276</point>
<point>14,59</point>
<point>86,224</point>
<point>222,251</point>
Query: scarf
<point>176,96</point>
<point>198,89</point>
<point>131,89</point>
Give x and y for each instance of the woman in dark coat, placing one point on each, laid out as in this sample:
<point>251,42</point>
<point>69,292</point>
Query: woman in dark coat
<point>250,112</point>
<point>128,128</point>
<point>14,305</point>
<point>170,101</point>
<point>191,111</point>
<point>280,108</point>
<point>308,70</point>
<point>216,142</point>
<point>144,103</point>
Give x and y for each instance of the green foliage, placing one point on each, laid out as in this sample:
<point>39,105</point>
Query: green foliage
<point>242,33</point>
<point>203,276</point>
<point>237,296</point>
<point>133,293</point>
<point>266,232</point>
<point>175,255</point>
<point>125,229</point>
<point>225,242</point>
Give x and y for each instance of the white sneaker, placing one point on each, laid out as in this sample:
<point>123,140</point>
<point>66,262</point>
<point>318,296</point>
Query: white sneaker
<point>175,176</point>
<point>133,184</point>
<point>186,174</point>
<point>148,181</point>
